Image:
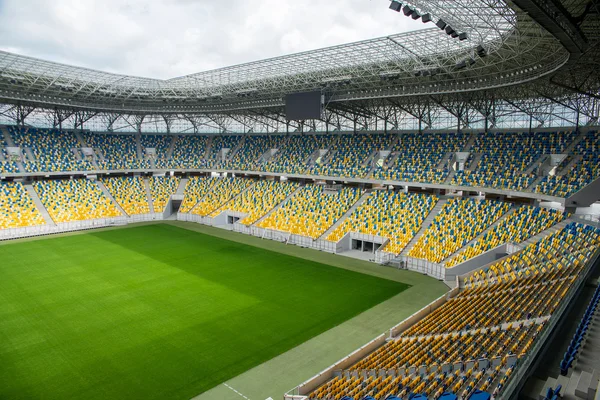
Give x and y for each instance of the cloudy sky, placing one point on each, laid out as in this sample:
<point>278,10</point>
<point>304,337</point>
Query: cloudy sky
<point>169,38</point>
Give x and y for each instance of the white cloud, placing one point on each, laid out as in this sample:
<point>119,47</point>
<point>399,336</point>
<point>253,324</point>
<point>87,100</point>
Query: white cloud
<point>169,38</point>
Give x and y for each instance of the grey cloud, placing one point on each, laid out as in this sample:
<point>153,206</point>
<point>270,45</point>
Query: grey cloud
<point>168,38</point>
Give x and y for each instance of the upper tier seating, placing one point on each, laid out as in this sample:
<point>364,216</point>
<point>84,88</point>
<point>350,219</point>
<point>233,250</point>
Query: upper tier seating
<point>220,193</point>
<point>459,222</point>
<point>130,193</point>
<point>257,201</point>
<point>350,155</point>
<point>394,215</point>
<point>159,142</point>
<point>195,190</point>
<point>311,211</point>
<point>223,142</point>
<point>497,317</point>
<point>519,226</point>
<point>586,170</point>
<point>52,149</point>
<point>17,208</point>
<point>162,188</point>
<point>247,157</point>
<point>119,151</point>
<point>75,200</point>
<point>506,157</point>
<point>188,152</point>
<point>416,157</point>
<point>294,157</point>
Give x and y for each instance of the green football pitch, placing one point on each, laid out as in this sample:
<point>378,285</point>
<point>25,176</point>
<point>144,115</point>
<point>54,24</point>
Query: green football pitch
<point>159,312</point>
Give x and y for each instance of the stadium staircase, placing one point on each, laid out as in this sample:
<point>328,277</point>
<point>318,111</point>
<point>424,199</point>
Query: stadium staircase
<point>533,185</point>
<point>237,148</point>
<point>444,161</point>
<point>149,195</point>
<point>110,196</point>
<point>278,206</point>
<point>337,223</point>
<point>569,149</point>
<point>138,146</point>
<point>209,144</point>
<point>470,142</point>
<point>426,222</point>
<point>582,382</point>
<point>29,154</point>
<point>570,165</point>
<point>77,154</point>
<point>39,205</point>
<point>171,148</point>
<point>476,158</point>
<point>449,177</point>
<point>535,164</point>
<point>7,138</point>
<point>482,234</point>
<point>181,188</point>
<point>80,139</point>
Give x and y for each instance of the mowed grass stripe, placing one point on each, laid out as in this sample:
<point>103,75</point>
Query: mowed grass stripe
<point>159,312</point>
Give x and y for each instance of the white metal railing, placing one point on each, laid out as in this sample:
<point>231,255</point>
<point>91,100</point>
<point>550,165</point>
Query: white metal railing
<point>41,230</point>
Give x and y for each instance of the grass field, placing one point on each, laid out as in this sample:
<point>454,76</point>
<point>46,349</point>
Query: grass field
<point>159,312</point>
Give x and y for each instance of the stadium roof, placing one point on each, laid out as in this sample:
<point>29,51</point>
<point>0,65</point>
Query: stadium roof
<point>486,46</point>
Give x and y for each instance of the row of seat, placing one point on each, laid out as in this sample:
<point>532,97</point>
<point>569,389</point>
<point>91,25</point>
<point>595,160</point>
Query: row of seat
<point>520,225</point>
<point>580,334</point>
<point>161,189</point>
<point>196,188</point>
<point>394,215</point>
<point>311,211</point>
<point>220,193</point>
<point>258,200</point>
<point>75,200</point>
<point>470,345</point>
<point>130,193</point>
<point>17,209</point>
<point>459,222</point>
<point>504,158</point>
<point>416,157</point>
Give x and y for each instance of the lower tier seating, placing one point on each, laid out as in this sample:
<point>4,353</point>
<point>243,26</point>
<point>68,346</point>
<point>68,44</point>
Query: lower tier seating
<point>75,200</point>
<point>396,216</point>
<point>220,193</point>
<point>130,193</point>
<point>257,201</point>
<point>197,187</point>
<point>311,211</point>
<point>162,188</point>
<point>17,207</point>
<point>459,222</point>
<point>474,341</point>
<point>516,228</point>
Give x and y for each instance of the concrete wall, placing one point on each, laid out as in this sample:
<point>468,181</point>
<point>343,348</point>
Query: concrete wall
<point>586,196</point>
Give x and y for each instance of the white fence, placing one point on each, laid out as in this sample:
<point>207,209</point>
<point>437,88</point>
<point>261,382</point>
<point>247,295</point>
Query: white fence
<point>42,230</point>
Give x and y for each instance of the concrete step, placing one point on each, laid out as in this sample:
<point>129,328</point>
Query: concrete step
<point>110,196</point>
<point>570,165</point>
<point>537,162</point>
<point>39,205</point>
<point>181,188</point>
<point>470,142</point>
<point>80,139</point>
<point>171,147</point>
<point>444,161</point>
<point>426,222</point>
<point>337,223</point>
<point>7,138</point>
<point>533,185</point>
<point>29,154</point>
<point>149,195</point>
<point>574,143</point>
<point>476,159</point>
